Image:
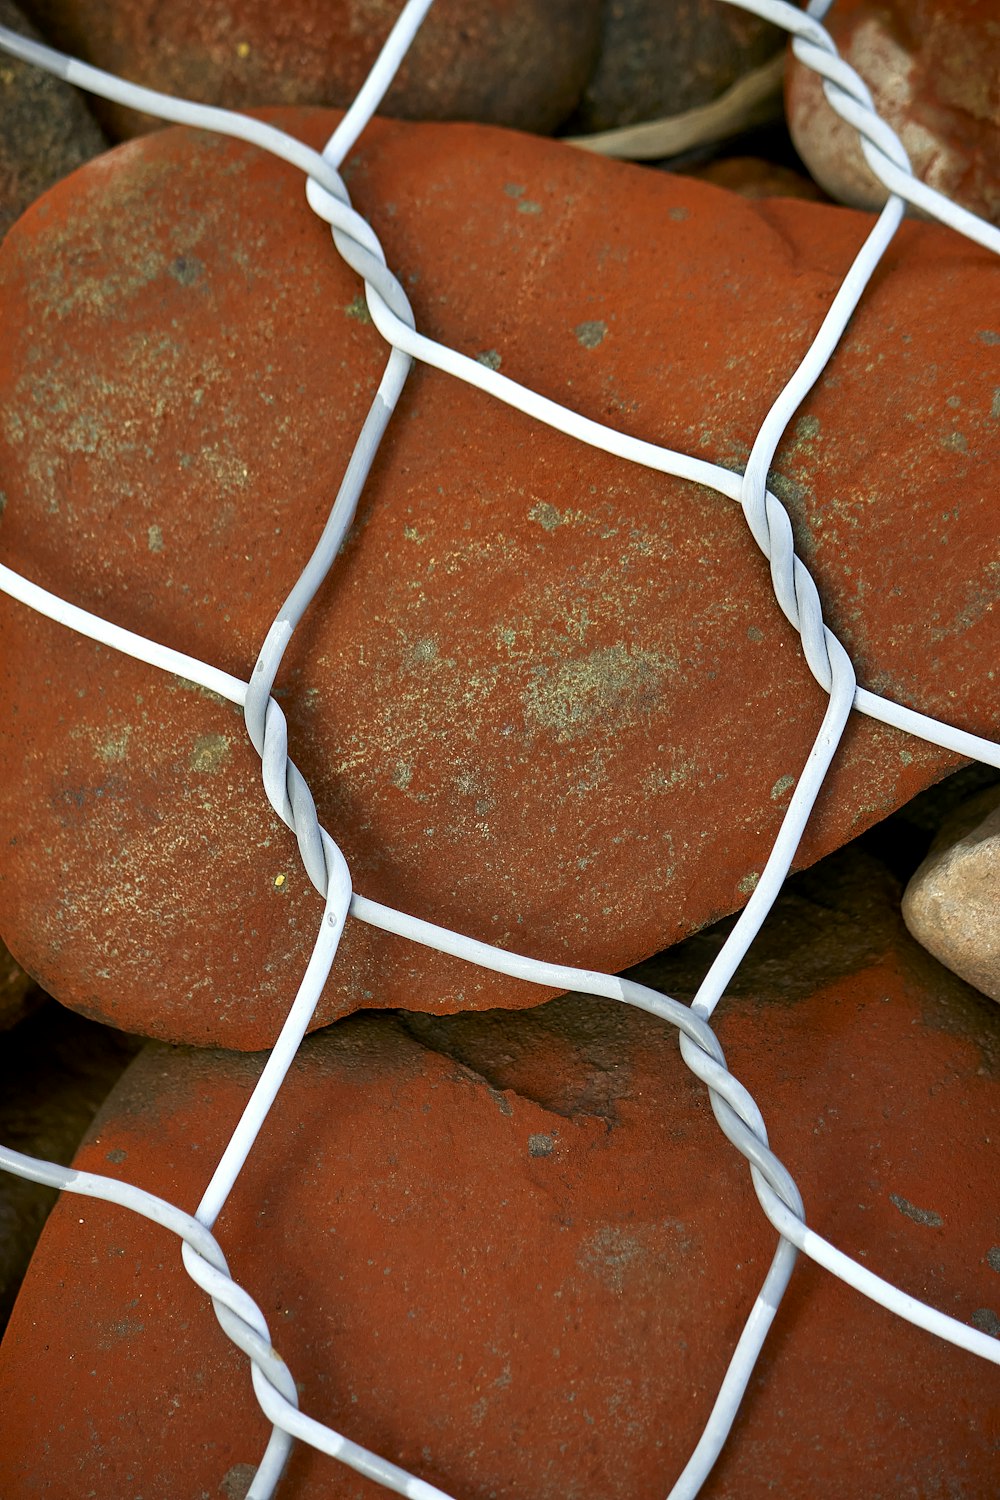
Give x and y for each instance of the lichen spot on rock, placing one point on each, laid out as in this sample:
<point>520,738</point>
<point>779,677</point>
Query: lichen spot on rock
<point>114,747</point>
<point>210,753</point>
<point>545,514</point>
<point>591,334</point>
<point>187,269</point>
<point>603,690</point>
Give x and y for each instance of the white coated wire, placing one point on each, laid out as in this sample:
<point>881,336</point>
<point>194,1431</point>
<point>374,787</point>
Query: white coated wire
<point>848,95</point>
<point>736,1112</point>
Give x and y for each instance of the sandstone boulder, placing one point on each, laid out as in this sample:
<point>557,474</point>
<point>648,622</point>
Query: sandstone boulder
<point>952,904</point>
<point>546,697</point>
<point>513,1252</point>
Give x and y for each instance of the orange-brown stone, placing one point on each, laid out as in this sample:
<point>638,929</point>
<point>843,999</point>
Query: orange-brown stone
<point>546,697</point>
<point>513,1252</point>
<point>520,63</point>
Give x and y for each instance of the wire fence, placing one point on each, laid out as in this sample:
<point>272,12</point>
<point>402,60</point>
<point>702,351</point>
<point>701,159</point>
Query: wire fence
<point>736,1113</point>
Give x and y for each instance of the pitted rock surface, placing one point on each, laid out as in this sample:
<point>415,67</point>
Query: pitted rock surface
<point>513,1252</point>
<point>546,697</point>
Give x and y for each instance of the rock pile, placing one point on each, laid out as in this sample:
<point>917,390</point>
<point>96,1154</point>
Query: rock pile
<point>545,698</point>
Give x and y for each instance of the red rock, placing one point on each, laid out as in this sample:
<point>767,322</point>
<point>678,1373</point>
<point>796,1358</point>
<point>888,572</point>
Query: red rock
<point>547,697</point>
<point>933,68</point>
<point>46,129</point>
<point>521,63</point>
<point>658,59</point>
<point>753,177</point>
<point>513,1252</point>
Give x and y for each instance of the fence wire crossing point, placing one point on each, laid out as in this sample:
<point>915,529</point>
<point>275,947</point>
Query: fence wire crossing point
<point>737,1114</point>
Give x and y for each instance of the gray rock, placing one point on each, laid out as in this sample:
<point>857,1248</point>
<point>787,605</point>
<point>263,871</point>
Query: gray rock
<point>660,59</point>
<point>46,130</point>
<point>952,904</point>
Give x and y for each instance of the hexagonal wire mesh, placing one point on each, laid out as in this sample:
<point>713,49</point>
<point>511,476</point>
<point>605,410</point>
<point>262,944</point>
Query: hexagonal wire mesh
<point>735,1111</point>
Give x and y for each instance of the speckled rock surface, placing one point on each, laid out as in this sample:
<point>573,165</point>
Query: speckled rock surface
<point>513,1252</point>
<point>933,67</point>
<point>952,904</point>
<point>660,59</point>
<point>46,129</point>
<point>520,63</point>
<point>548,698</point>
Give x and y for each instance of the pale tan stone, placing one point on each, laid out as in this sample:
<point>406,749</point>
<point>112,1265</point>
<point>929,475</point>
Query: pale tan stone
<point>952,904</point>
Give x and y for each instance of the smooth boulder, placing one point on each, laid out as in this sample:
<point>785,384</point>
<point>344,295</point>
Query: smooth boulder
<point>513,1252</point>
<point>520,63</point>
<point>932,68</point>
<point>952,904</point>
<point>546,696</point>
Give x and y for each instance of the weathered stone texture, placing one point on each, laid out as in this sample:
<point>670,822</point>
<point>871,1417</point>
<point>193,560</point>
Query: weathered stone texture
<point>514,1252</point>
<point>521,63</point>
<point>546,697</point>
<point>46,129</point>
